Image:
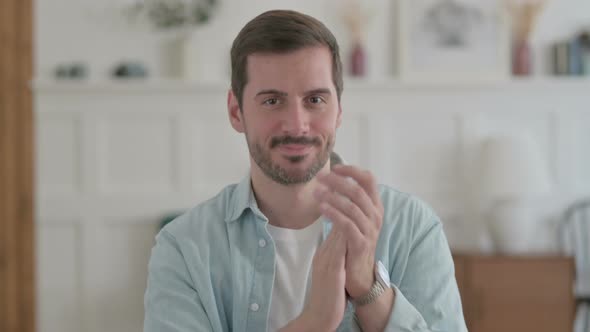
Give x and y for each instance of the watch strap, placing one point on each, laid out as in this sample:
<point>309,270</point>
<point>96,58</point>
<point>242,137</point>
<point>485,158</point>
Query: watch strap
<point>376,290</point>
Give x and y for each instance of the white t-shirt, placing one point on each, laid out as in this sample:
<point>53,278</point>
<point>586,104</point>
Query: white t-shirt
<point>294,254</point>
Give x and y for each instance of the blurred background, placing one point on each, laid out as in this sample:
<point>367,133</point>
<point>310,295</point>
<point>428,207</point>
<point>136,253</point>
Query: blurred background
<point>479,107</point>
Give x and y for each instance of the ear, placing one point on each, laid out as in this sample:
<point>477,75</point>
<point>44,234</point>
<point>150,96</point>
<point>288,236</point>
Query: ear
<point>234,113</point>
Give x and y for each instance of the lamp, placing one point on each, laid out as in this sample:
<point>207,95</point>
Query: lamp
<point>513,173</point>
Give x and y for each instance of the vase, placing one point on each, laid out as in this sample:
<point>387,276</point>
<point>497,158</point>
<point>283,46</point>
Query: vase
<point>194,55</point>
<point>521,58</point>
<point>358,60</point>
<point>191,58</point>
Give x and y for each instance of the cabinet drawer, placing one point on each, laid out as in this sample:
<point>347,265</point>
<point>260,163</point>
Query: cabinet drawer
<point>516,294</point>
<point>519,279</point>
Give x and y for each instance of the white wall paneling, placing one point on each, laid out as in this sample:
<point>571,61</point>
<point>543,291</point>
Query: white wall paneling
<point>59,270</point>
<point>115,158</point>
<point>351,139</point>
<point>151,139</point>
<point>217,152</point>
<point>59,159</point>
<point>119,251</point>
<point>574,130</point>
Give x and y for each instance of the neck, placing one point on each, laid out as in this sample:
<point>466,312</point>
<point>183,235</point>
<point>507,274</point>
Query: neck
<point>286,206</point>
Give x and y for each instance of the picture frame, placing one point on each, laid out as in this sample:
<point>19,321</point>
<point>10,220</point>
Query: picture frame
<point>453,41</point>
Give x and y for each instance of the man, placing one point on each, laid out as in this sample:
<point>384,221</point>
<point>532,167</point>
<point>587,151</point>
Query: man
<point>299,244</point>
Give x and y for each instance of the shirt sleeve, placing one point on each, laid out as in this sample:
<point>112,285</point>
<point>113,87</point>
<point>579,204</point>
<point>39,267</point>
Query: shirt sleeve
<point>171,302</point>
<point>428,298</point>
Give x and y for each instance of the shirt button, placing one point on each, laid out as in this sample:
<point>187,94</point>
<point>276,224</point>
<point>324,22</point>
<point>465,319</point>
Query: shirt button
<point>254,307</point>
<point>262,243</point>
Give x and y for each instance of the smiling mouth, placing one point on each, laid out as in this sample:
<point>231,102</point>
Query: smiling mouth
<point>295,149</point>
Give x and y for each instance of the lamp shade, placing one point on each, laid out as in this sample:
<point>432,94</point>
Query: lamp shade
<point>512,167</point>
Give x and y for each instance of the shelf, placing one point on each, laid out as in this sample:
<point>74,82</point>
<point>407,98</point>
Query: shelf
<point>361,85</point>
<point>126,86</point>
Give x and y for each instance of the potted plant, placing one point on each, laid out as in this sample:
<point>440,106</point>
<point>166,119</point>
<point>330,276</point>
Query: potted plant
<point>181,19</point>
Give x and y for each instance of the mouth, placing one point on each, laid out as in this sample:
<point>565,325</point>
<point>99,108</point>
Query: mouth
<point>294,149</point>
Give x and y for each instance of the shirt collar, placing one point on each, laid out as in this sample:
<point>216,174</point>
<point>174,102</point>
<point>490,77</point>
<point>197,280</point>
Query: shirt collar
<point>241,199</point>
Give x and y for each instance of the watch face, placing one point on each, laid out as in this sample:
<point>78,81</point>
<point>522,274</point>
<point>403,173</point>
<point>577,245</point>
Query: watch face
<point>383,274</point>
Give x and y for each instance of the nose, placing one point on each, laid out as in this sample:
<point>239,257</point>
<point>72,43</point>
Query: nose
<point>296,120</point>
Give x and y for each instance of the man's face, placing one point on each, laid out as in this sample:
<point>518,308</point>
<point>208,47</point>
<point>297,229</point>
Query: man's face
<point>290,112</point>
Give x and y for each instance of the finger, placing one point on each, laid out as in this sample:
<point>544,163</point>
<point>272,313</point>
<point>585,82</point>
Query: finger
<point>351,190</point>
<point>348,208</point>
<point>333,250</point>
<point>343,223</point>
<point>364,178</point>
<point>335,241</point>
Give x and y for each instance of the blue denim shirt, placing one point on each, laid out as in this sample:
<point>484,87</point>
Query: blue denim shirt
<point>212,269</point>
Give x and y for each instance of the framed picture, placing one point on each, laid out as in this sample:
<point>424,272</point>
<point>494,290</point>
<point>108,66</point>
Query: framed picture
<point>453,41</point>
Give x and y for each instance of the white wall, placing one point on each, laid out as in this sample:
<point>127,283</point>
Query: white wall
<point>115,158</point>
<point>93,32</point>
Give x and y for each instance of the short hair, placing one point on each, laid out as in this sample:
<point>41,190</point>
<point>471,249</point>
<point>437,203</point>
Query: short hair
<point>280,31</point>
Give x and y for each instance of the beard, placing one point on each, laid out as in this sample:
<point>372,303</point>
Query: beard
<point>262,157</point>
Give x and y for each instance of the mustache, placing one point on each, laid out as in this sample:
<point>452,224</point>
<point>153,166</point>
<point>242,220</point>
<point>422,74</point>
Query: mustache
<point>304,140</point>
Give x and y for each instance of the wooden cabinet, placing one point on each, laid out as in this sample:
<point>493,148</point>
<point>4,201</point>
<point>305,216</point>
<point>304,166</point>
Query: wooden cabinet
<point>520,294</point>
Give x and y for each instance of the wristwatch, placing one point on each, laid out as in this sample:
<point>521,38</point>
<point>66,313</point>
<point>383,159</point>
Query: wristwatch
<point>379,287</point>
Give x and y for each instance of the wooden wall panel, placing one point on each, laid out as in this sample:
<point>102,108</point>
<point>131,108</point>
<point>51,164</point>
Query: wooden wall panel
<point>16,168</point>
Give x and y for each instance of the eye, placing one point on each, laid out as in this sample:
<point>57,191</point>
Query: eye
<point>316,99</point>
<point>271,101</point>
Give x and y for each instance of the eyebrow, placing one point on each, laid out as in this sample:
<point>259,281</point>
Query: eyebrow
<point>320,91</point>
<point>324,91</point>
<point>271,92</point>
